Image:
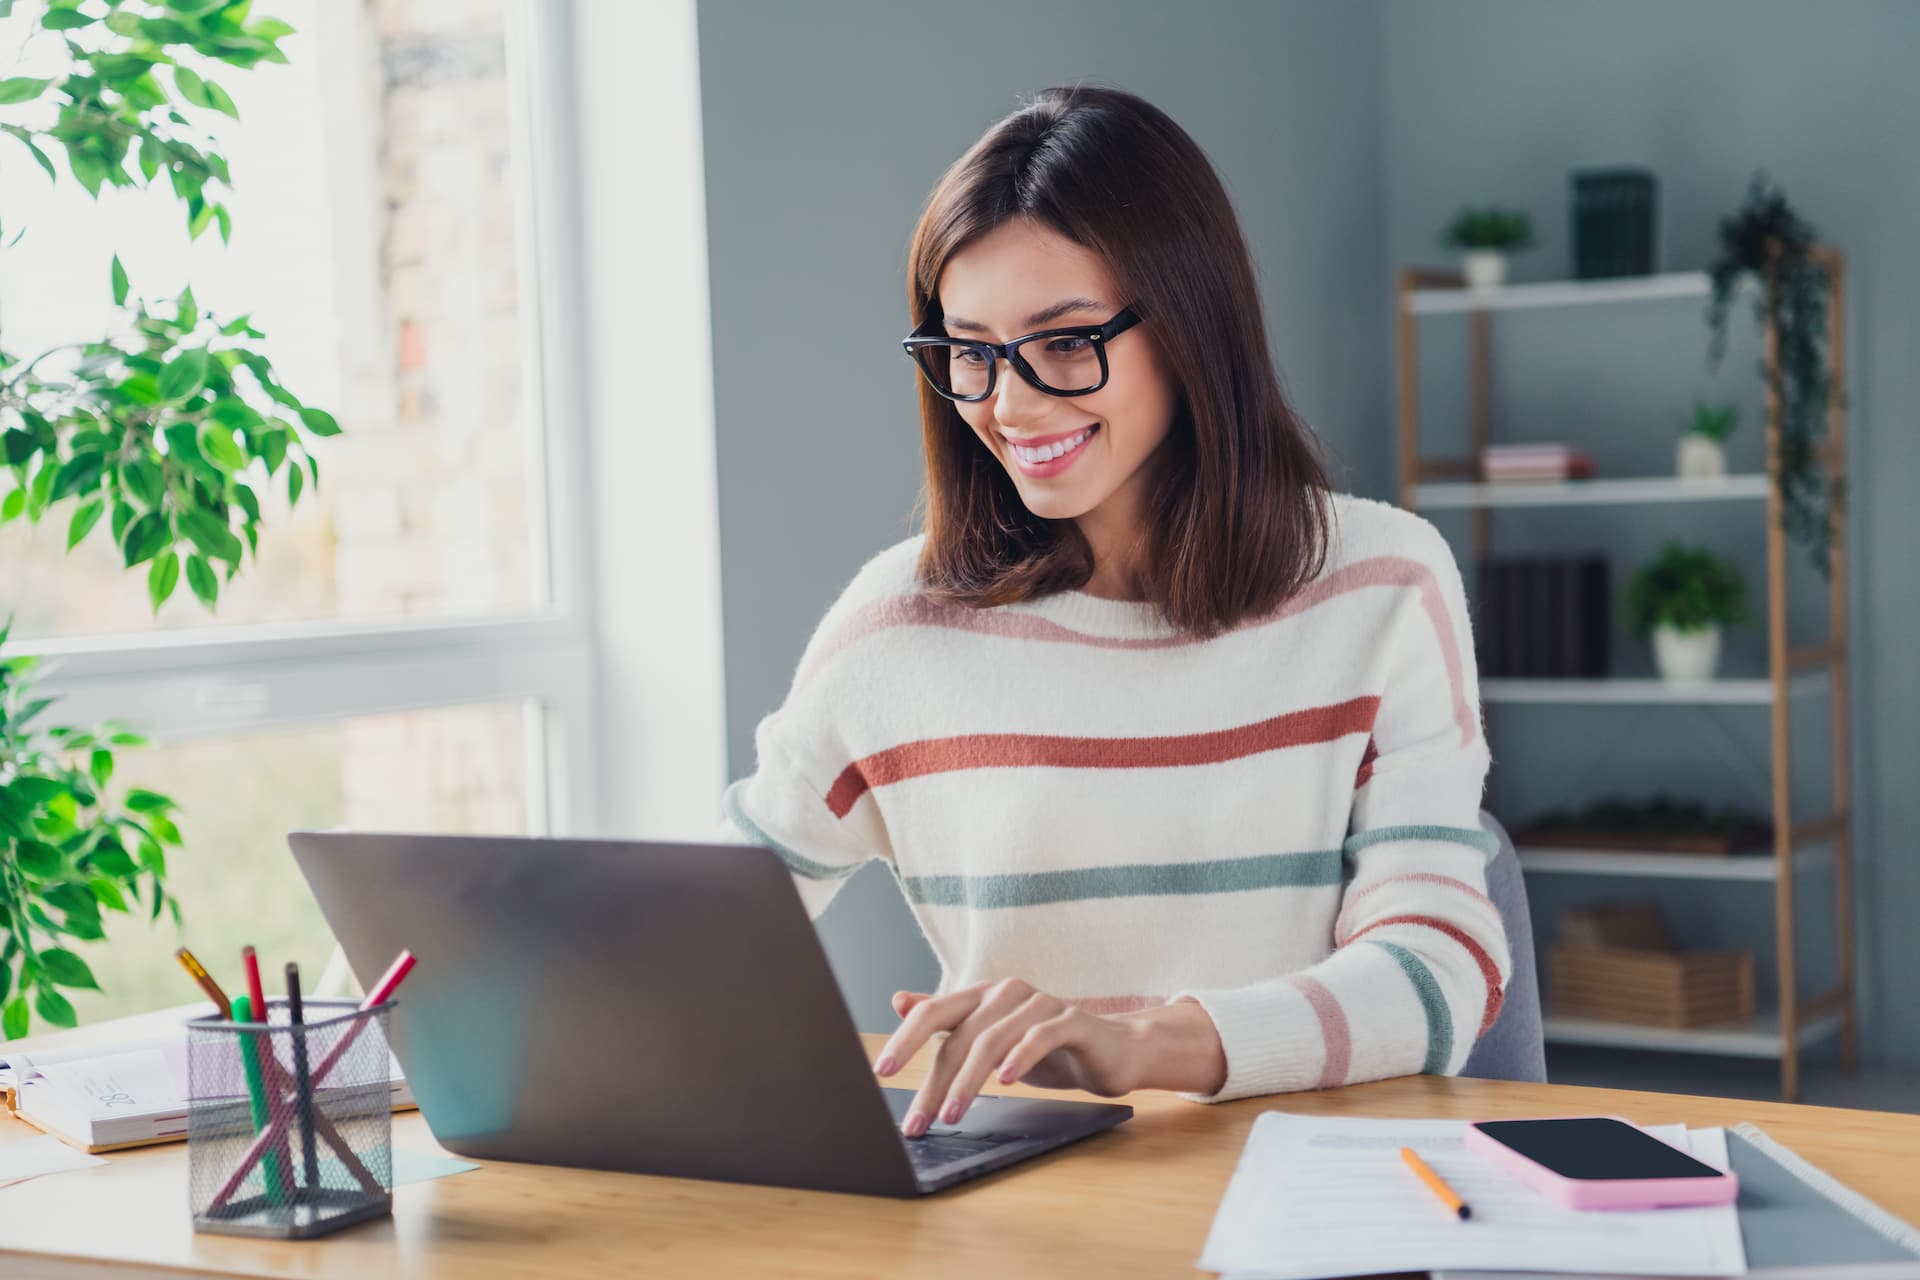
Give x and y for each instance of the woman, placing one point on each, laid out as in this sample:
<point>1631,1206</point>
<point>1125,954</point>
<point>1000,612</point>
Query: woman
<point>1144,687</point>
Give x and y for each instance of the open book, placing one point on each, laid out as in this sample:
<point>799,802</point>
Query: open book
<point>101,1097</point>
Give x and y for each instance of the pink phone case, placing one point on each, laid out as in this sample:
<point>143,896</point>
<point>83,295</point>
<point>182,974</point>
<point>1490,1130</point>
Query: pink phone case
<point>1604,1193</point>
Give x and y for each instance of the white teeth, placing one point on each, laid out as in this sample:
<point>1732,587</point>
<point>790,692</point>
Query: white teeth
<point>1047,453</point>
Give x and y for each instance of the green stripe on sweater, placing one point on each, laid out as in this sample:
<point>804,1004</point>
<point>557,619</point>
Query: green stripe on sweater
<point>799,864</point>
<point>1474,837</point>
<point>1439,1020</point>
<point>1314,868</point>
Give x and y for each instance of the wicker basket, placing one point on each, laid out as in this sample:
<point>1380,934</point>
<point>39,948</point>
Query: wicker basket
<point>1675,989</point>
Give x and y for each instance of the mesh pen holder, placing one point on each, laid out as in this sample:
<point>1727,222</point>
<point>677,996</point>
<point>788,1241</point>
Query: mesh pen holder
<point>289,1128</point>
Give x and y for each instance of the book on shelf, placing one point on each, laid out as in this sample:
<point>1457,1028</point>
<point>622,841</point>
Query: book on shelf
<point>1535,463</point>
<point>1544,617</point>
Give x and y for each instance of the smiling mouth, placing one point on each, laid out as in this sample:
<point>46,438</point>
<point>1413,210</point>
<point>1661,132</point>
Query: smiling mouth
<point>1057,449</point>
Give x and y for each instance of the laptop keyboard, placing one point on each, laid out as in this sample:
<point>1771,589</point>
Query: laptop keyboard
<point>938,1149</point>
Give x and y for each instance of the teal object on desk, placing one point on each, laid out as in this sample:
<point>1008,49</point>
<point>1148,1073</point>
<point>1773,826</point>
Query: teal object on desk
<point>274,1174</point>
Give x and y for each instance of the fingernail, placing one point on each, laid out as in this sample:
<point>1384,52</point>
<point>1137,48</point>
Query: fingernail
<point>1007,1074</point>
<point>885,1067</point>
<point>916,1124</point>
<point>954,1110</point>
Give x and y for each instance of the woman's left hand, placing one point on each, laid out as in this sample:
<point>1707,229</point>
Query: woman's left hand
<point>1007,1031</point>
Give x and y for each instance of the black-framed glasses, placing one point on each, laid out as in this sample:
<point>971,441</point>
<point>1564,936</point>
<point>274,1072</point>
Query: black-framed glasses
<point>1069,362</point>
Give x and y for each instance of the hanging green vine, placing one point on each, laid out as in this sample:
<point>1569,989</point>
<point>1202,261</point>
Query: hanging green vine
<point>1767,237</point>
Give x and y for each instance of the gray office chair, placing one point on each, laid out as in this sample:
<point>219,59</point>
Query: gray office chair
<point>1515,1047</point>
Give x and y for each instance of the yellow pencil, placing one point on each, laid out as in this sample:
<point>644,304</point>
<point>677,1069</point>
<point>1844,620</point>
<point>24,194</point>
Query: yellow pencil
<point>199,974</point>
<point>1448,1196</point>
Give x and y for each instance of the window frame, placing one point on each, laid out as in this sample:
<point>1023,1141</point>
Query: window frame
<point>221,681</point>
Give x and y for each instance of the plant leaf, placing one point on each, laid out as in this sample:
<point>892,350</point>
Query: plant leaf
<point>141,800</point>
<point>144,539</point>
<point>84,518</point>
<point>201,578</point>
<point>54,1007</point>
<point>119,283</point>
<point>184,375</point>
<point>67,969</point>
<point>13,1020</point>
<point>107,892</point>
<point>21,89</point>
<point>191,86</point>
<point>320,422</point>
<point>162,578</point>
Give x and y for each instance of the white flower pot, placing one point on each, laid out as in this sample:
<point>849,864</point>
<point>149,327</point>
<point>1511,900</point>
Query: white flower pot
<point>1484,268</point>
<point>1683,656</point>
<point>1698,458</point>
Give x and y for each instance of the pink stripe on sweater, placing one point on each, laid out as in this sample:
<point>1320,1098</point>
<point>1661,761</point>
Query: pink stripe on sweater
<point>1333,1029</point>
<point>1410,877</point>
<point>916,610</point>
<point>1117,1004</point>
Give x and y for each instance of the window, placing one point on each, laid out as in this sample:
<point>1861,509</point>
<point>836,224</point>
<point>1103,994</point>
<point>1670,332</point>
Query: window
<point>410,650</point>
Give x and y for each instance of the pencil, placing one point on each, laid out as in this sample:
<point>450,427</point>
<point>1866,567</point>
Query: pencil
<point>1448,1196</point>
<point>199,974</point>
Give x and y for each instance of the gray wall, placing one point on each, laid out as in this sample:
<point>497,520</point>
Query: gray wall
<point>1495,100</point>
<point>826,125</point>
<point>1347,133</point>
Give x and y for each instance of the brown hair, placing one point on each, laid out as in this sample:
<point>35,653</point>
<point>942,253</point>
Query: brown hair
<point>1237,507</point>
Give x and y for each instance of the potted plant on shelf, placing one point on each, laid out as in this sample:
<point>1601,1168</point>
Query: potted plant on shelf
<point>1766,240</point>
<point>1683,599</point>
<point>1702,453</point>
<point>1483,238</point>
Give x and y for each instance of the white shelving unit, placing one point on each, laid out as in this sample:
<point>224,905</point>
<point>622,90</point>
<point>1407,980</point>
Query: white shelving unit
<point>1561,293</point>
<point>1759,1038</point>
<point>1633,491</point>
<point>1626,690</point>
<point>1795,673</point>
<point>1753,867</point>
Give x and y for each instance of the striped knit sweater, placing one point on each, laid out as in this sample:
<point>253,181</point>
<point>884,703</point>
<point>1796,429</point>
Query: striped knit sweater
<point>1280,822</point>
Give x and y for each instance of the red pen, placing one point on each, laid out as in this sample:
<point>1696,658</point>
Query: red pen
<point>381,992</point>
<point>256,994</point>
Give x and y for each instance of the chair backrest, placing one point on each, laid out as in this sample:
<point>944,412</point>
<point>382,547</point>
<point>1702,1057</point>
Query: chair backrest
<point>1515,1047</point>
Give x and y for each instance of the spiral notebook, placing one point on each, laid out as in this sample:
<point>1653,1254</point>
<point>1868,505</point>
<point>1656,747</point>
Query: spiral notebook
<point>1797,1221</point>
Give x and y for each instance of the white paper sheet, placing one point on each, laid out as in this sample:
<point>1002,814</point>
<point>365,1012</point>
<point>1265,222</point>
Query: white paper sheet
<point>31,1157</point>
<point>1316,1196</point>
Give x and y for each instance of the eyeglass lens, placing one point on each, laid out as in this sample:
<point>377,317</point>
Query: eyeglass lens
<point>1062,363</point>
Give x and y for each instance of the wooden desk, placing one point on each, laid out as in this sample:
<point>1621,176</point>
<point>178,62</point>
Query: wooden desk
<point>1136,1201</point>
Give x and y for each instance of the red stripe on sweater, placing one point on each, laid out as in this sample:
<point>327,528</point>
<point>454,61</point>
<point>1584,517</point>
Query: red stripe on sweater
<point>1410,877</point>
<point>1365,772</point>
<point>916,610</point>
<point>1018,750</point>
<point>1488,969</point>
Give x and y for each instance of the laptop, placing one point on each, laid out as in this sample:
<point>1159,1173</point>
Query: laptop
<point>644,1007</point>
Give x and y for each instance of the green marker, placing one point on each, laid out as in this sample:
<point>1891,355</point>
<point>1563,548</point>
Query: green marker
<point>257,1095</point>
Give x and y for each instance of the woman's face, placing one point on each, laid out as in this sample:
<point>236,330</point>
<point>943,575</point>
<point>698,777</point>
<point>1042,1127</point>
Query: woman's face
<point>992,290</point>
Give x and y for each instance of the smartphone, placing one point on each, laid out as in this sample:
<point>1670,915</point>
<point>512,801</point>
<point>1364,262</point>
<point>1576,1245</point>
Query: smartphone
<point>1600,1162</point>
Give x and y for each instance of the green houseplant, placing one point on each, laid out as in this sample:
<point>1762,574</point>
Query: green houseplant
<point>1483,238</point>
<point>157,435</point>
<point>1682,600</point>
<point>1701,453</point>
<point>1768,240</point>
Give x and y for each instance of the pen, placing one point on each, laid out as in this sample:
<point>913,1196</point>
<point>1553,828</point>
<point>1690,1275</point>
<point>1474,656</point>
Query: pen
<point>382,992</point>
<point>280,1160</point>
<point>303,1083</point>
<point>1448,1196</point>
<point>199,974</point>
<point>257,1099</point>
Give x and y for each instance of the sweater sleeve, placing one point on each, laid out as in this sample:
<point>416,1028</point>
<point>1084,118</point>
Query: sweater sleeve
<point>1420,960</point>
<point>780,808</point>
<point>799,748</point>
